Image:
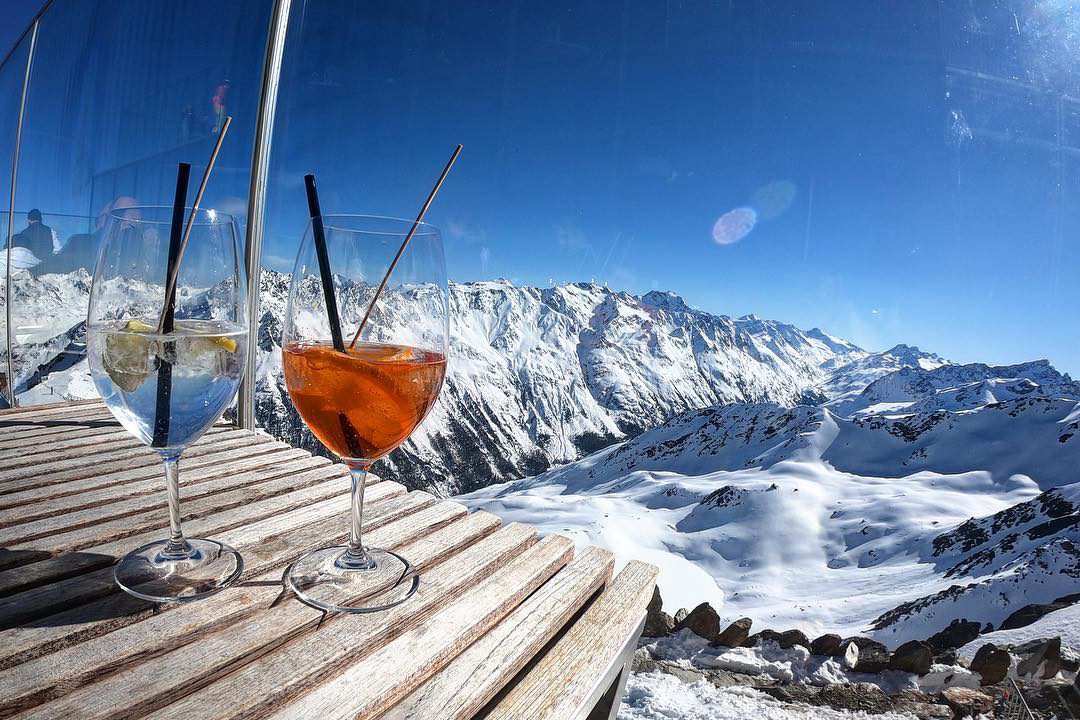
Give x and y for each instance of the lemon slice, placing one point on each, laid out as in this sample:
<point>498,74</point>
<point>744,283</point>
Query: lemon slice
<point>139,326</point>
<point>224,342</point>
<point>126,357</point>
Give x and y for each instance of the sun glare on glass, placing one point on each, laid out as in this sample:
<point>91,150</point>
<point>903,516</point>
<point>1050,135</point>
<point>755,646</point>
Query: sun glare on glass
<point>734,225</point>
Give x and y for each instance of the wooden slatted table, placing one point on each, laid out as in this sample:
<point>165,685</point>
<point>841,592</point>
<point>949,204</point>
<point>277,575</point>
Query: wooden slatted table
<point>503,626</point>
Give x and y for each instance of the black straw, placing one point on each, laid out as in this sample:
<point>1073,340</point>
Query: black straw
<point>164,374</point>
<point>319,235</point>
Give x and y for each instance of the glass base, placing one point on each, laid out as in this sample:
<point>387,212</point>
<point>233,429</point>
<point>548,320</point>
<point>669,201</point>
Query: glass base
<point>331,579</point>
<point>151,572</point>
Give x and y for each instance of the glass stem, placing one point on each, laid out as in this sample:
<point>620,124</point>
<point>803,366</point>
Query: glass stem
<point>177,546</point>
<point>356,558</point>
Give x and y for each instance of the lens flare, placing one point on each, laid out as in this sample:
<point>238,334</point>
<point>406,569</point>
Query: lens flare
<point>734,225</point>
<point>774,199</point>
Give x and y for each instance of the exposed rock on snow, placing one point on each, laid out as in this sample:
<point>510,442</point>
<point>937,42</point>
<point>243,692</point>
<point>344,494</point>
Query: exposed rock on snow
<point>790,638</point>
<point>1063,623</point>
<point>992,663</point>
<point>1039,658</point>
<point>829,645</point>
<point>657,622</point>
<point>1032,613</point>
<point>703,622</point>
<point>912,657</point>
<point>735,634</point>
<point>966,702</point>
<point>864,655</point>
<point>958,633</point>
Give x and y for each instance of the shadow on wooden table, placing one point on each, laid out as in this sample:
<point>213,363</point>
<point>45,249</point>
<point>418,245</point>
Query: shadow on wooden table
<point>11,423</point>
<point>28,601</point>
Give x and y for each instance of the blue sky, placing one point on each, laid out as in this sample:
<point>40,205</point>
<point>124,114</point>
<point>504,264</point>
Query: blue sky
<point>913,167</point>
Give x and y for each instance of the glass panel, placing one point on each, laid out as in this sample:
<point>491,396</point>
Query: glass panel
<point>12,73</point>
<point>120,93</point>
<point>821,247</point>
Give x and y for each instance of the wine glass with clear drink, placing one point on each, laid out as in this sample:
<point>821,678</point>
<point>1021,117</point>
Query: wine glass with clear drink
<point>364,395</point>
<point>168,388</point>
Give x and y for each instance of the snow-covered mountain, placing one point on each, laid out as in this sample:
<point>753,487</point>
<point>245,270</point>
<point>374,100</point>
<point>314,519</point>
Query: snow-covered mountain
<point>916,388</point>
<point>851,378</point>
<point>922,507</point>
<point>540,376</point>
<point>536,376</point>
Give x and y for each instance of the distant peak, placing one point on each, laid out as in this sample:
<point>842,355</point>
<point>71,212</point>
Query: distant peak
<point>665,299</point>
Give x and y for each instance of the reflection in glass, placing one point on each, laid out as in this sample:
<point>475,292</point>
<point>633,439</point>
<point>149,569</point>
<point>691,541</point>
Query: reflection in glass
<point>12,75</point>
<point>119,93</point>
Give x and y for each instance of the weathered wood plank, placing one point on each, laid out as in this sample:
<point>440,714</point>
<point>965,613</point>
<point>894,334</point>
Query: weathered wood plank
<point>20,435</point>
<point>112,473</point>
<point>72,467</point>
<point>264,548</point>
<point>373,684</point>
<point>42,519</point>
<point>19,430</point>
<point>54,675</point>
<point>376,686</point>
<point>67,407</point>
<point>64,472</point>
<point>22,585</point>
<point>27,431</point>
<point>128,485</point>
<point>38,450</point>
<point>143,688</point>
<point>258,688</point>
<point>564,678</point>
<point>49,454</point>
<point>49,539</point>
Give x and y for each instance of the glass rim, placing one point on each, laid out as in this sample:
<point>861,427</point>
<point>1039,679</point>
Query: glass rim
<point>423,229</point>
<point>204,216</point>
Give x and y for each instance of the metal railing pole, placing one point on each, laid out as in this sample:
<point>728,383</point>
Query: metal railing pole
<point>9,386</point>
<point>256,214</point>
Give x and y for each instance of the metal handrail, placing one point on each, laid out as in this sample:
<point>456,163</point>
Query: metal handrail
<point>1014,706</point>
<point>260,167</point>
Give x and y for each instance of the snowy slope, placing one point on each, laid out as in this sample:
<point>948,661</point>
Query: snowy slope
<point>779,473</point>
<point>798,517</point>
<point>1028,553</point>
<point>1062,623</point>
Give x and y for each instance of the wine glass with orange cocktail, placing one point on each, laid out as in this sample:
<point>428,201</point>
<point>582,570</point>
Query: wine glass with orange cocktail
<point>362,393</point>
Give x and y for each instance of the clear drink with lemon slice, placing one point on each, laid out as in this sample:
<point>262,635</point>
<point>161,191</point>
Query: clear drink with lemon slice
<point>206,358</point>
<point>168,369</point>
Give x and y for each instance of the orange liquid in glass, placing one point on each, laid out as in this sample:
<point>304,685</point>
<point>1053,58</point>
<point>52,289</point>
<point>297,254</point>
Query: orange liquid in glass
<point>364,402</point>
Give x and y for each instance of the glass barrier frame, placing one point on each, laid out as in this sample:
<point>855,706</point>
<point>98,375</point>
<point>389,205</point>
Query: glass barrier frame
<point>9,386</point>
<point>261,148</point>
<point>260,169</point>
